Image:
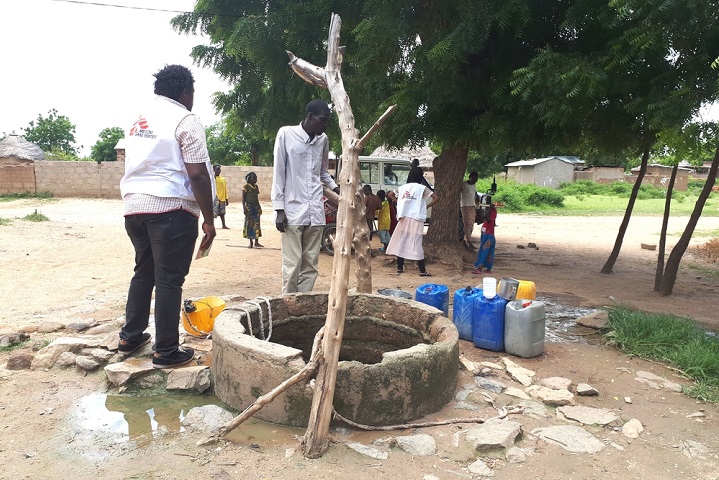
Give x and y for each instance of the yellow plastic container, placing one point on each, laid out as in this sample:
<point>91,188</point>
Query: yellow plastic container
<point>200,322</point>
<point>526,290</point>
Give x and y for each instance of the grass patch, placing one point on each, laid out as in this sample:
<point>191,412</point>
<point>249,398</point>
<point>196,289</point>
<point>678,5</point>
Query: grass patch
<point>677,341</point>
<point>36,217</point>
<point>17,346</point>
<point>5,221</point>
<point>8,197</point>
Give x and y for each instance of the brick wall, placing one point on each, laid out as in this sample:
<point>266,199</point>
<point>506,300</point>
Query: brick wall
<point>16,175</point>
<point>93,180</point>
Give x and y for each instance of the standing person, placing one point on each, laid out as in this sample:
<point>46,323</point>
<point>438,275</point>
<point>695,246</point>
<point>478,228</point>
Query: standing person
<point>372,203</point>
<point>221,199</point>
<point>167,184</point>
<point>301,167</point>
<point>485,256</point>
<point>383,220</point>
<point>253,210</point>
<point>468,206</point>
<point>406,241</point>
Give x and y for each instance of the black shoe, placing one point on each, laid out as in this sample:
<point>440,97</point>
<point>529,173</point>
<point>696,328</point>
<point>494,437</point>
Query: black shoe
<point>182,356</point>
<point>130,347</point>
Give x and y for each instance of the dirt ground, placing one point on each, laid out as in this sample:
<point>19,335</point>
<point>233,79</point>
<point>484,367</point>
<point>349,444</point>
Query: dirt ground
<point>77,266</point>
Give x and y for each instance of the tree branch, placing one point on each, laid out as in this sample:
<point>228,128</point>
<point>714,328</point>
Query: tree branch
<point>361,143</point>
<point>310,73</point>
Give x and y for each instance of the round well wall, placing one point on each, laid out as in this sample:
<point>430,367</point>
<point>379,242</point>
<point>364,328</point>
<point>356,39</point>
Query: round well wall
<point>398,360</point>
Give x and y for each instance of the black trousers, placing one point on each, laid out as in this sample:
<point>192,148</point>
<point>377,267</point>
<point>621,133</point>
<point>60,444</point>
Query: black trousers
<point>164,244</point>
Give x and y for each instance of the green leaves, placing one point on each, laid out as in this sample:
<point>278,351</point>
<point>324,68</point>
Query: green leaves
<point>54,132</point>
<point>104,148</point>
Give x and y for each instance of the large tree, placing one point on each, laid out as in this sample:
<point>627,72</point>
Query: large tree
<point>104,148</point>
<point>489,76</point>
<point>54,132</point>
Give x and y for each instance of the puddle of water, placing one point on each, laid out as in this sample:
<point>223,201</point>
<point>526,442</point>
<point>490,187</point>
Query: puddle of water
<point>561,324</point>
<point>102,421</point>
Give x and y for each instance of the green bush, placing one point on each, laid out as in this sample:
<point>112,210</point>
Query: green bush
<point>582,187</point>
<point>545,196</point>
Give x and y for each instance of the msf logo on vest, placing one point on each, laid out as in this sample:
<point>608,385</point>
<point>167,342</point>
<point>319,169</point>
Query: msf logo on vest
<point>142,129</point>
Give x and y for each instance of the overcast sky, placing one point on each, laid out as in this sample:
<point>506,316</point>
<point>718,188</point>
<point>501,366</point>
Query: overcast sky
<point>91,62</point>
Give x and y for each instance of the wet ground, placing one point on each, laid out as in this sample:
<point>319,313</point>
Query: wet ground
<point>101,420</point>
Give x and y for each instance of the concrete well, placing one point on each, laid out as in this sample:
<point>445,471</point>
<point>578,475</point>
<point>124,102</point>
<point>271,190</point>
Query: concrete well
<point>398,361</point>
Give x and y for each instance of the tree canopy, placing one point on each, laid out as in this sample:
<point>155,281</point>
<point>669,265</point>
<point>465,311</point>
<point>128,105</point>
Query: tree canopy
<point>104,148</point>
<point>516,77</point>
<point>54,132</point>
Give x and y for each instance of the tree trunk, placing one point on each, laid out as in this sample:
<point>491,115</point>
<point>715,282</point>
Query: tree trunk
<point>254,155</point>
<point>609,265</point>
<point>449,170</point>
<point>663,235</point>
<point>670,272</point>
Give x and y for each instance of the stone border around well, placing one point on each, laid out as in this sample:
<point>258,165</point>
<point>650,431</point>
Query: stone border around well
<point>407,384</point>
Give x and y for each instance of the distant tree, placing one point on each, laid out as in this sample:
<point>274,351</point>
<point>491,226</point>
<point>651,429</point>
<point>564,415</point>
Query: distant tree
<point>52,132</point>
<point>104,148</point>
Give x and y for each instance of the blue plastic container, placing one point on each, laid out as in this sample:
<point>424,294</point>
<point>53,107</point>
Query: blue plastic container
<point>434,295</point>
<point>463,309</point>
<point>488,323</point>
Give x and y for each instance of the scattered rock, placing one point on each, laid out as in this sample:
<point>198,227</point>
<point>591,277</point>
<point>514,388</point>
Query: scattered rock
<point>420,445</point>
<point>119,374</point>
<point>648,246</point>
<point>532,245</point>
<point>586,390</point>
<point>632,428</point>
<point>693,449</point>
<point>101,329</point>
<point>65,360</point>
<point>462,395</point>
<point>515,455</point>
<point>20,360</point>
<point>520,374</point>
<point>46,357</point>
<point>516,392</point>
<point>627,399</point>
<point>556,383</point>
<point>78,327</point>
<point>588,415</point>
<point>100,354</point>
<point>597,320</point>
<point>12,339</point>
<point>194,379</point>
<point>49,327</point>
<point>657,382</point>
<point>521,247</point>
<point>206,419</point>
<point>533,409</point>
<point>480,468</point>
<point>550,396</point>
<point>27,329</point>
<point>371,452</point>
<point>491,385</point>
<point>696,415</point>
<point>111,341</point>
<point>570,437</point>
<point>494,434</point>
<point>86,363</point>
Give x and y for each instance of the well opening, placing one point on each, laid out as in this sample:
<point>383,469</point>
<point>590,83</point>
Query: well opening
<point>398,361</point>
<point>365,339</point>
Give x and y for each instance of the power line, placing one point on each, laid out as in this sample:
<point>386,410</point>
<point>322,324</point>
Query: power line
<point>121,6</point>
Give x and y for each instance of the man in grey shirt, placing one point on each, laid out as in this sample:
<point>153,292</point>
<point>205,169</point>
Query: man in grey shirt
<point>301,167</point>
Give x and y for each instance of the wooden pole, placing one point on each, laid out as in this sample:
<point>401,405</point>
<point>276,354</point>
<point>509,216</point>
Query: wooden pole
<point>315,441</point>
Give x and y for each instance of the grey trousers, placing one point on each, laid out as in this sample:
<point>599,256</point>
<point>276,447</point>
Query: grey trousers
<point>300,256</point>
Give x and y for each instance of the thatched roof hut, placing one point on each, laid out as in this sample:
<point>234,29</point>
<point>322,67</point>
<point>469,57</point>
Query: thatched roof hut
<point>16,146</point>
<point>424,154</point>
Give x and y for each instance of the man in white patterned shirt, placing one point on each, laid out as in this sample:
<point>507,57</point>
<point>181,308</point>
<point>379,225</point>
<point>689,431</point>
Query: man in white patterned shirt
<point>167,184</point>
<point>300,169</point>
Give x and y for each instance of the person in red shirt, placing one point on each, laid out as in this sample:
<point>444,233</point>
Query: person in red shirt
<point>485,256</point>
